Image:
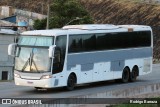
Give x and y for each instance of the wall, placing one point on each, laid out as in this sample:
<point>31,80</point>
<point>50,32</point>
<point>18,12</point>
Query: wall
<point>28,16</point>
<point>6,11</point>
<point>22,15</point>
<point>6,62</point>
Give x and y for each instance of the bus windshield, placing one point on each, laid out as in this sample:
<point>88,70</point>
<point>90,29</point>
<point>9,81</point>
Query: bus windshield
<point>32,54</point>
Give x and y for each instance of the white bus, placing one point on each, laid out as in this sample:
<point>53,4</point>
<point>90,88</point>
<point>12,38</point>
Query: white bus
<point>78,54</point>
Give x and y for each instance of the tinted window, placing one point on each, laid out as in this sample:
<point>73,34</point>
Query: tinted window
<point>61,43</point>
<point>104,41</point>
<point>59,55</point>
<point>89,42</point>
<point>109,41</point>
<point>81,43</point>
<point>75,43</point>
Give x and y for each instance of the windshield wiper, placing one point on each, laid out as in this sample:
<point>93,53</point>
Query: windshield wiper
<point>35,65</point>
<point>30,61</point>
<point>25,65</point>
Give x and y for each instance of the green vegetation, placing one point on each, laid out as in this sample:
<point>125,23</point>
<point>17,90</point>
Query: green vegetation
<point>62,12</point>
<point>118,12</point>
<point>40,24</point>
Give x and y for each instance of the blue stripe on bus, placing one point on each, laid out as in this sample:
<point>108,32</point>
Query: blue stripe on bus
<point>87,67</point>
<point>105,56</point>
<point>117,65</point>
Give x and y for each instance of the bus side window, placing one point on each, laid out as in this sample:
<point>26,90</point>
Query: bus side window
<point>59,55</point>
<point>57,64</point>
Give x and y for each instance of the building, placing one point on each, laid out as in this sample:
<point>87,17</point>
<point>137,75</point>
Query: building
<point>7,36</point>
<point>13,15</point>
<point>22,19</point>
<point>6,11</point>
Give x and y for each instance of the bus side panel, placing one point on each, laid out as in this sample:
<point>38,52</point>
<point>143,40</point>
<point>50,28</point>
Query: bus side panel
<point>147,65</point>
<point>138,62</point>
<point>92,64</point>
<point>103,71</point>
<point>144,65</point>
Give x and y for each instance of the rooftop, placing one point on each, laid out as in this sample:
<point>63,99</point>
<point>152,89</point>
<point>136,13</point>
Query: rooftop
<point>90,28</point>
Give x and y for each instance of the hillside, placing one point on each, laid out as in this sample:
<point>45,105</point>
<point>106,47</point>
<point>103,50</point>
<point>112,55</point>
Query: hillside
<point>38,6</point>
<point>110,12</point>
<point>126,12</point>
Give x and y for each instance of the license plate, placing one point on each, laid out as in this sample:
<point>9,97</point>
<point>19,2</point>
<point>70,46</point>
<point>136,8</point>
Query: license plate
<point>29,82</point>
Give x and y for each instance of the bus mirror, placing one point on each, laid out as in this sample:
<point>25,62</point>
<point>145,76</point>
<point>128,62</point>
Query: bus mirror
<point>51,51</point>
<point>11,49</point>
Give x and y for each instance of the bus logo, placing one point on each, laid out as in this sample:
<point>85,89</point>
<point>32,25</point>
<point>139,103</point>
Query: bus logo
<point>6,101</point>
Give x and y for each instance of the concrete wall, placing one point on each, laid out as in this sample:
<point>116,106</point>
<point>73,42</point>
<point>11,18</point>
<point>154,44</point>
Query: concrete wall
<point>6,62</point>
<point>22,15</point>
<point>28,16</point>
<point>6,11</point>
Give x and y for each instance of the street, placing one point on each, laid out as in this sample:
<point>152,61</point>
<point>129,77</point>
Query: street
<point>9,90</point>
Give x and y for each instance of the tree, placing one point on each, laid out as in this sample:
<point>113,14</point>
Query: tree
<point>39,24</point>
<point>62,12</point>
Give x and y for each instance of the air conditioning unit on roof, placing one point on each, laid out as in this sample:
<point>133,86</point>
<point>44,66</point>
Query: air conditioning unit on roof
<point>92,27</point>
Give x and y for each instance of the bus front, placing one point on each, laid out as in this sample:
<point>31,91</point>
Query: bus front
<point>32,62</point>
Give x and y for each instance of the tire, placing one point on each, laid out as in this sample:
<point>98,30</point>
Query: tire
<point>125,75</point>
<point>133,74</point>
<point>71,82</point>
<point>118,80</point>
<point>37,88</point>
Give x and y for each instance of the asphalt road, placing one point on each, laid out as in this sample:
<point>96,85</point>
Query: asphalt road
<point>9,90</point>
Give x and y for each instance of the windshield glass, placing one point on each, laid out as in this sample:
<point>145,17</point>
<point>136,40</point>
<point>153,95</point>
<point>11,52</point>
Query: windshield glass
<point>35,41</point>
<point>32,54</point>
<point>32,59</point>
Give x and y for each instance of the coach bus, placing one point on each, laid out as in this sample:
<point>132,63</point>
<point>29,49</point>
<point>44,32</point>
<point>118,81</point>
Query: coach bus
<point>77,54</point>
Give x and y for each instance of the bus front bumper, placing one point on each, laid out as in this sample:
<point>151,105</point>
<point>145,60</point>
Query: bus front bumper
<point>43,83</point>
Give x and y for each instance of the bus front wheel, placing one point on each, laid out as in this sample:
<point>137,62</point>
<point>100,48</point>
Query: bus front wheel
<point>71,82</point>
<point>125,75</point>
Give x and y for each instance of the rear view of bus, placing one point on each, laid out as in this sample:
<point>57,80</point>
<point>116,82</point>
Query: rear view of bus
<point>81,54</point>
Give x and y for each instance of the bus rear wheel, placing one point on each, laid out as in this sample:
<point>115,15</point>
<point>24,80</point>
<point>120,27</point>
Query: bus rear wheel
<point>71,82</point>
<point>37,88</point>
<point>134,74</point>
<point>125,75</point>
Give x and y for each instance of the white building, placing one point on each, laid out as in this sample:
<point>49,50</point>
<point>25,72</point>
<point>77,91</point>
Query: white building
<point>7,36</point>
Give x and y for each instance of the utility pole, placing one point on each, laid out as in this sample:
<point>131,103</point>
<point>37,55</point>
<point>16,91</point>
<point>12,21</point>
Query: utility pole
<point>42,7</point>
<point>48,12</point>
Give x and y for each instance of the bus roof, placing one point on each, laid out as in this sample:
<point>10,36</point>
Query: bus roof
<point>90,28</point>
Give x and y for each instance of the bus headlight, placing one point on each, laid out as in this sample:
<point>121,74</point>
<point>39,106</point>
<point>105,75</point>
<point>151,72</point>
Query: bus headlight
<point>17,75</point>
<point>46,76</point>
